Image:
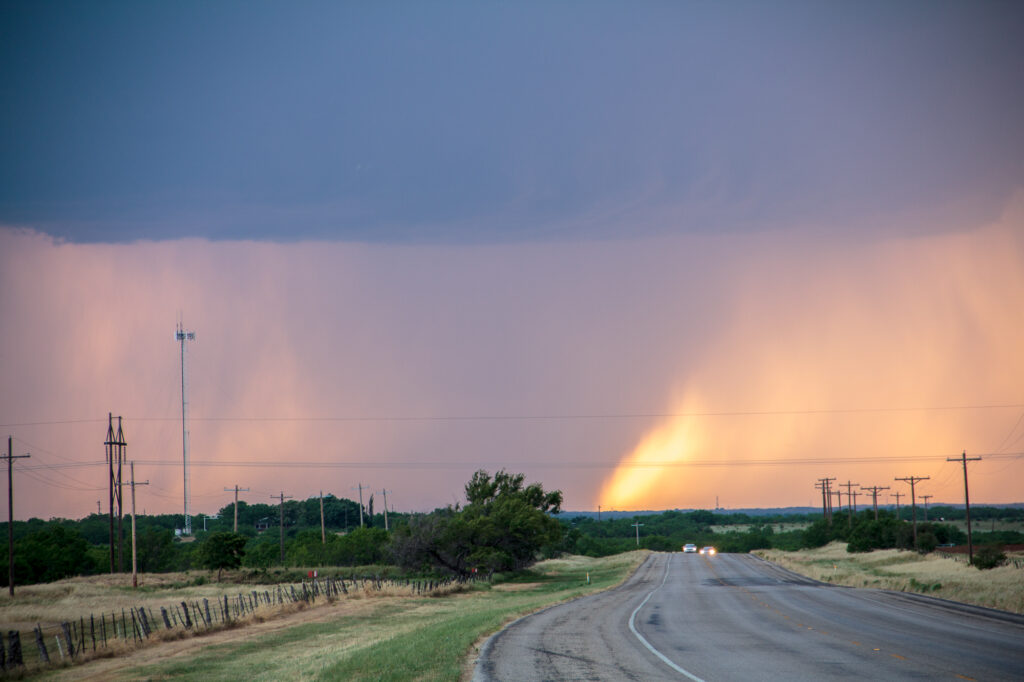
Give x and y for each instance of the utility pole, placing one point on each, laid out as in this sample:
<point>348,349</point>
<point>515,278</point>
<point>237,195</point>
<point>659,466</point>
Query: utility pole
<point>637,526</point>
<point>361,486</point>
<point>182,336</point>
<point>913,500</point>
<point>874,496</point>
<point>839,499</point>
<point>849,497</point>
<point>10,510</point>
<point>926,498</point>
<point>898,495</point>
<point>599,513</point>
<point>824,484</point>
<point>135,572</point>
<point>385,494</point>
<point>323,528</point>
<point>282,497</point>
<point>115,449</point>
<point>236,489</point>
<point>967,502</point>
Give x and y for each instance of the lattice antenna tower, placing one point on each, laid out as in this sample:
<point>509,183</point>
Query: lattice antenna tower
<point>181,335</point>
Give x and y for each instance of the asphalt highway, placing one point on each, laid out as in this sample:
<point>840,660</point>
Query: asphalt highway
<point>736,617</point>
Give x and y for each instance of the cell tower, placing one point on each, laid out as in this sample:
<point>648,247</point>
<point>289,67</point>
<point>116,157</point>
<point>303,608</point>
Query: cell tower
<point>182,336</point>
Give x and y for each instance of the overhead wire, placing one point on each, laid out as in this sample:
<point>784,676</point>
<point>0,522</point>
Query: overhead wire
<point>542,417</point>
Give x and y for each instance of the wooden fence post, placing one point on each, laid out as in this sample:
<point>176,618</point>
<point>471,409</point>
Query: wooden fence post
<point>163,613</point>
<point>14,648</point>
<point>44,655</point>
<point>66,627</point>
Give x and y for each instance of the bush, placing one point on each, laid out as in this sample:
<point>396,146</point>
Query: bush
<point>989,556</point>
<point>926,542</point>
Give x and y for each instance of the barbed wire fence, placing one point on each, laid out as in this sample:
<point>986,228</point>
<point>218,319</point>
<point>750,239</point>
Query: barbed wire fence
<point>78,639</point>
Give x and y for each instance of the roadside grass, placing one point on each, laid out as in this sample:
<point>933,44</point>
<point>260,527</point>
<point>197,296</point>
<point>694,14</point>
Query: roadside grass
<point>907,571</point>
<point>386,637</point>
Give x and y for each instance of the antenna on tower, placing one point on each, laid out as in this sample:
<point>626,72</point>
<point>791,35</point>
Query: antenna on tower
<point>182,336</point>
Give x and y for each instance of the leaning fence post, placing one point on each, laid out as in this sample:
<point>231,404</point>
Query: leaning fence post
<point>188,619</point>
<point>167,622</point>
<point>92,630</point>
<point>66,627</point>
<point>43,653</point>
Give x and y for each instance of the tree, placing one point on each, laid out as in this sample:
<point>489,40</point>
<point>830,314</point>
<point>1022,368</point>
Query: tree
<point>222,550</point>
<point>503,527</point>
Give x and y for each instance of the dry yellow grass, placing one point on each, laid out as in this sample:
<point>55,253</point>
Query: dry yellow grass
<point>906,571</point>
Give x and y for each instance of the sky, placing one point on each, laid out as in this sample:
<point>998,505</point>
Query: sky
<point>651,254</point>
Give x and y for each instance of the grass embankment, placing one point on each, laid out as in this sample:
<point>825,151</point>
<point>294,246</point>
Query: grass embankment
<point>372,636</point>
<point>907,571</point>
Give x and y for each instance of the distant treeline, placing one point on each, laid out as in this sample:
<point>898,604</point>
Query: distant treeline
<point>454,539</point>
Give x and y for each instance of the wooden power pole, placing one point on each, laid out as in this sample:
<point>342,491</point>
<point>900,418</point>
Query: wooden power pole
<point>135,567</point>
<point>967,501</point>
<point>913,500</point>
<point>10,510</point>
<point>236,489</point>
<point>874,490</point>
<point>282,497</point>
<point>385,494</point>
<point>849,501</point>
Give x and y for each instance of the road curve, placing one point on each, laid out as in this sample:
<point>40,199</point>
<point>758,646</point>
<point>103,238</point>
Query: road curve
<point>736,617</point>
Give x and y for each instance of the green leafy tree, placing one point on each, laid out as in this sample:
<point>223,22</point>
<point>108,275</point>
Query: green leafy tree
<point>503,526</point>
<point>52,553</point>
<point>222,550</point>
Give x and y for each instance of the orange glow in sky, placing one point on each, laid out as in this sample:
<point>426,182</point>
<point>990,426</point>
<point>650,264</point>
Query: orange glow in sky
<point>825,353</point>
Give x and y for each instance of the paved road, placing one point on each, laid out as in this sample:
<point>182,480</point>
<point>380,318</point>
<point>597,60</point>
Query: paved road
<point>736,617</point>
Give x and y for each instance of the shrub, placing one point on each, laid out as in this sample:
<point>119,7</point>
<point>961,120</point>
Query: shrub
<point>989,556</point>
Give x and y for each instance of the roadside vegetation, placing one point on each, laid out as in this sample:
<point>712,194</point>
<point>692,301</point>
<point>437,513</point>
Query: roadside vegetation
<point>386,635</point>
<point>935,574</point>
<point>490,546</point>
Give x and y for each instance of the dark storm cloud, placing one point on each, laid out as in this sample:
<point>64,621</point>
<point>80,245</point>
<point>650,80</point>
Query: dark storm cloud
<point>499,122</point>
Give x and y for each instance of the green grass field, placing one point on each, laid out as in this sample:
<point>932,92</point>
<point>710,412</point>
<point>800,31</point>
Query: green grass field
<point>384,637</point>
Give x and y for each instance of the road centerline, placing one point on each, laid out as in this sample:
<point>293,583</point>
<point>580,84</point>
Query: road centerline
<point>632,626</point>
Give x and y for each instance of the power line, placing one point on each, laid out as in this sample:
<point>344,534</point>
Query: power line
<point>551,417</point>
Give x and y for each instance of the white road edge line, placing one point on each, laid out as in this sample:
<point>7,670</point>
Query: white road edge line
<point>632,626</point>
